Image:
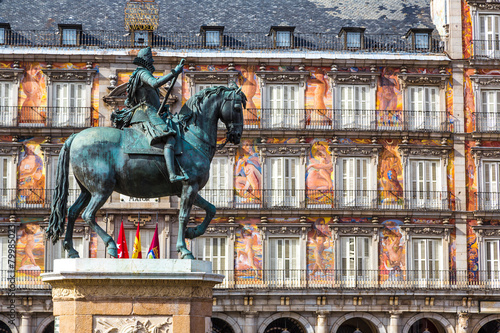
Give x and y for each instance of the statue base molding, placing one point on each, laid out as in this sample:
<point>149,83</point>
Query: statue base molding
<point>158,295</point>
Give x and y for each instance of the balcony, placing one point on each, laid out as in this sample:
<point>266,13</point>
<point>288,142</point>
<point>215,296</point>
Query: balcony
<point>43,116</point>
<point>486,49</point>
<point>314,279</point>
<point>229,41</point>
<point>31,198</point>
<point>487,122</point>
<point>488,201</point>
<point>329,199</point>
<point>359,279</point>
<point>348,120</point>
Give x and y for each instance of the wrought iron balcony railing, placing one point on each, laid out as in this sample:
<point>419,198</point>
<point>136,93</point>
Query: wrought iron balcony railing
<point>230,41</point>
<point>43,116</point>
<point>268,279</point>
<point>343,119</point>
<point>488,201</point>
<point>31,198</point>
<point>487,122</point>
<point>328,199</point>
<point>486,49</point>
<point>360,279</point>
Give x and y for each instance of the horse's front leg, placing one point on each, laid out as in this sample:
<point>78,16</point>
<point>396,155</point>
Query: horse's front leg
<point>209,215</point>
<point>188,196</point>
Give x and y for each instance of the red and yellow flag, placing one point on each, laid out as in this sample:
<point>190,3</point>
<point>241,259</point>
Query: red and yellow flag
<point>137,253</point>
<point>154,248</point>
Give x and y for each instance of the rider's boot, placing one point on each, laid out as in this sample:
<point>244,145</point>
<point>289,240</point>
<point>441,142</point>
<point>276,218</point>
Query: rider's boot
<point>169,159</point>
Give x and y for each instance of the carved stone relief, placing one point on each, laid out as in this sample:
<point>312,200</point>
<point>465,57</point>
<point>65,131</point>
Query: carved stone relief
<point>134,324</point>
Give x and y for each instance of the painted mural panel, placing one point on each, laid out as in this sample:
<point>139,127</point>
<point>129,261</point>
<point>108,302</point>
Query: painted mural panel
<point>318,99</point>
<point>471,176</point>
<point>466,30</point>
<point>250,86</point>
<point>319,173</point>
<point>30,252</point>
<point>392,260</point>
<point>31,173</point>
<point>320,253</point>
<point>389,100</point>
<point>390,175</point>
<point>248,252</point>
<point>472,251</point>
<point>248,174</point>
<point>469,101</point>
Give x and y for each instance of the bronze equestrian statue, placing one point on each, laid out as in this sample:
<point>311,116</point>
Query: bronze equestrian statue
<point>132,160</point>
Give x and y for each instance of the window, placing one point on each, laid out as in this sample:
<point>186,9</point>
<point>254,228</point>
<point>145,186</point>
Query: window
<point>353,40</point>
<point>2,35</point>
<point>69,37</point>
<point>489,36</point>
<point>354,101</point>
<point>283,261</point>
<point>427,262</point>
<point>212,38</point>
<point>6,104</point>
<point>146,238</point>
<point>4,256</point>
<point>214,250</point>
<point>424,103</point>
<point>283,39</point>
<point>282,179</point>
<point>492,259</point>
<point>282,103</point>
<point>355,257</point>
<point>7,189</point>
<point>141,38</point>
<point>354,185</point>
<point>217,190</point>
<point>489,198</point>
<point>421,40</point>
<point>69,105</point>
<point>489,118</point>
<point>425,184</point>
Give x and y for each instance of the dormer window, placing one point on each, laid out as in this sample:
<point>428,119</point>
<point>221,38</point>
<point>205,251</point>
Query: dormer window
<point>212,35</point>
<point>4,28</point>
<point>70,34</point>
<point>282,36</point>
<point>419,38</point>
<point>352,38</point>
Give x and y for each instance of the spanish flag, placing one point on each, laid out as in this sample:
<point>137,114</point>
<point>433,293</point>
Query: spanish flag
<point>154,248</point>
<point>137,253</point>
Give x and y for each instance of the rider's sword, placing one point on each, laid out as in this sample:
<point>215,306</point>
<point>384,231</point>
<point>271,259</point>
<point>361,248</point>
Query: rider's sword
<point>169,90</point>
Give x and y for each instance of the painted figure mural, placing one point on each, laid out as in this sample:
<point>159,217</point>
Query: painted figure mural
<point>30,249</point>
<point>392,251</point>
<point>248,251</point>
<point>248,174</point>
<point>320,258</point>
<point>31,182</point>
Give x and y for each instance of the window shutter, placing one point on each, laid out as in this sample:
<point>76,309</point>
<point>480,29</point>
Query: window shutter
<point>482,27</point>
<point>492,258</point>
<point>363,255</point>
<point>4,255</point>
<point>5,174</point>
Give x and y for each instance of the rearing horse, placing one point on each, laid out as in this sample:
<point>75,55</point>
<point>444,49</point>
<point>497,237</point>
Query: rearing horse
<point>103,162</point>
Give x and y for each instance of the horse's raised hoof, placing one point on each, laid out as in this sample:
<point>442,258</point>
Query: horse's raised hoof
<point>187,256</point>
<point>112,249</point>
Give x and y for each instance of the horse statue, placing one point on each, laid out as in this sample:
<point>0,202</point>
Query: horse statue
<point>106,159</point>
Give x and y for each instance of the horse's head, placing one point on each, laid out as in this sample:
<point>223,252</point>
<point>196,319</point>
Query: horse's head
<point>231,113</point>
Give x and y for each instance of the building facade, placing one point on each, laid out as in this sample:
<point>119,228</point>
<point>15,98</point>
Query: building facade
<point>364,194</point>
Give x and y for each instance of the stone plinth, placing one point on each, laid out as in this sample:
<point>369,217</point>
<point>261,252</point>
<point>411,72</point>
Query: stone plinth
<point>157,295</point>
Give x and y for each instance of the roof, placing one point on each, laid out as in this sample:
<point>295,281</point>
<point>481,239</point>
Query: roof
<point>327,16</point>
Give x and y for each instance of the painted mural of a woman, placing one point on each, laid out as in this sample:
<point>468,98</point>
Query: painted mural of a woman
<point>388,95</point>
<point>31,177</point>
<point>320,116</point>
<point>319,240</point>
<point>319,170</point>
<point>246,258</point>
<point>248,174</point>
<point>249,88</point>
<point>32,86</point>
<point>392,256</point>
<point>27,238</point>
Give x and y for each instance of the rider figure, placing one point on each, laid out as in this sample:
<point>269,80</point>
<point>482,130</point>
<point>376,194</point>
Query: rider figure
<point>142,89</point>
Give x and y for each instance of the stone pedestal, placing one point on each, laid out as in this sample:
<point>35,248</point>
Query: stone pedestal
<point>156,295</point>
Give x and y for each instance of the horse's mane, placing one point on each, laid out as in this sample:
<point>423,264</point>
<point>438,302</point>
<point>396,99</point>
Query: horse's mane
<point>193,106</point>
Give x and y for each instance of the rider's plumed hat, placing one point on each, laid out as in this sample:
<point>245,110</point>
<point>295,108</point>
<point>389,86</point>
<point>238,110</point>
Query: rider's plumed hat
<point>145,58</point>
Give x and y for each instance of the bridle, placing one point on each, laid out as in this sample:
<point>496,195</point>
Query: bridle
<point>230,126</point>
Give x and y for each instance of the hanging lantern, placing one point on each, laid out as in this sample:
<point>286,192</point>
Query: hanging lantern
<point>357,330</point>
<point>426,330</point>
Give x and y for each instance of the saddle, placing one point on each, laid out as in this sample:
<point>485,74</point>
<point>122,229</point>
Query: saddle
<point>135,142</point>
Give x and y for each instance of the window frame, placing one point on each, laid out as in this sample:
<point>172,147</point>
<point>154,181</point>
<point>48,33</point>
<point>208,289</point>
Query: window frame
<point>423,278</point>
<point>483,84</point>
<point>290,197</point>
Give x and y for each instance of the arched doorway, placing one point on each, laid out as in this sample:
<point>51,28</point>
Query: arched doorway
<point>490,327</point>
<point>360,324</point>
<point>284,324</point>
<point>220,326</point>
<point>4,328</point>
<point>421,325</point>
<point>49,328</point>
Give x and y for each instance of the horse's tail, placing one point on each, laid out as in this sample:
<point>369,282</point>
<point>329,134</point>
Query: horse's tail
<point>60,197</point>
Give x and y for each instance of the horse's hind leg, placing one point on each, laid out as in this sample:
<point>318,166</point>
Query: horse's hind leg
<point>96,202</point>
<point>210,213</point>
<point>75,209</point>
<point>189,193</point>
